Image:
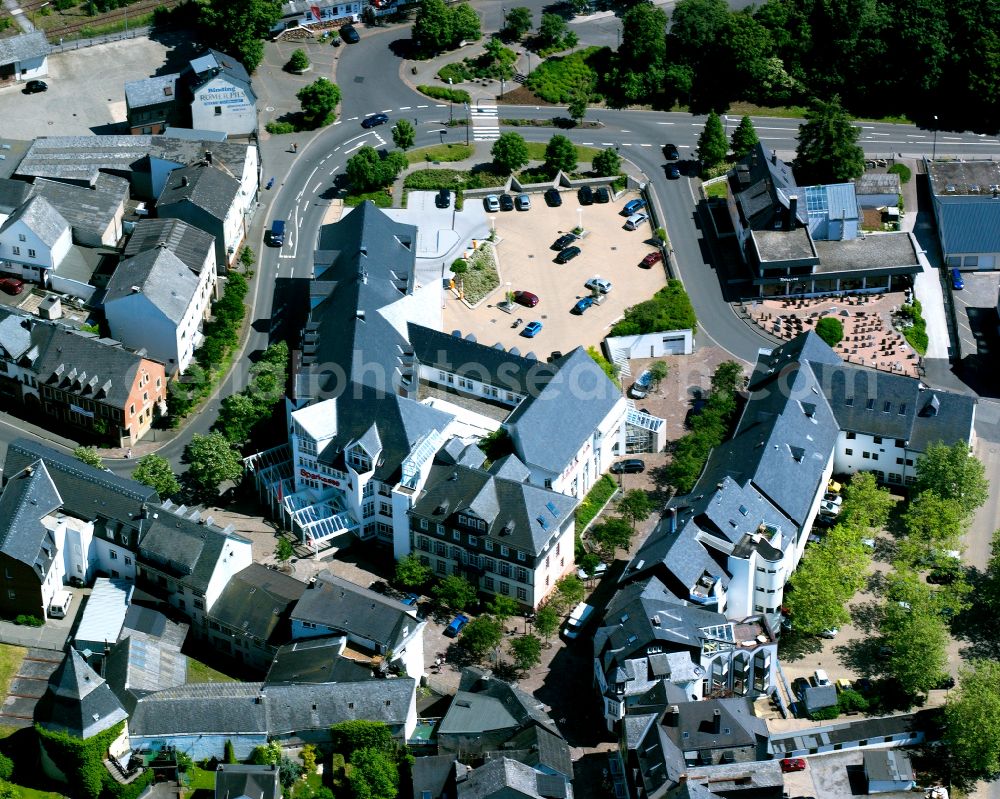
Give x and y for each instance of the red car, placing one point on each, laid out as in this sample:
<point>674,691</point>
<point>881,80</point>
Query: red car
<point>651,260</point>
<point>11,285</point>
<point>526,298</point>
<point>793,764</point>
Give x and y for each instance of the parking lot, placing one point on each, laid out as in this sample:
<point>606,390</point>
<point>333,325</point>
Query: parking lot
<point>527,263</point>
<point>975,312</point>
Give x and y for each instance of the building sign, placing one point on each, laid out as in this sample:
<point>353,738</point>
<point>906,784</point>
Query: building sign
<point>81,411</point>
<point>324,480</point>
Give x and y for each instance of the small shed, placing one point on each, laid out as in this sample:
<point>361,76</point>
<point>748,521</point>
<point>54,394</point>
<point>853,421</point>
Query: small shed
<point>888,770</point>
<point>817,697</point>
<point>103,615</point>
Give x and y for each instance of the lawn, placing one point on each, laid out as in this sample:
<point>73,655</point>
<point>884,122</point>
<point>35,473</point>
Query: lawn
<point>536,151</point>
<point>717,190</point>
<point>440,152</point>
<point>199,778</point>
<point>482,276</point>
<point>25,792</point>
<point>199,672</point>
<point>381,197</point>
<point>557,80</point>
<point>793,112</point>
<point>10,662</point>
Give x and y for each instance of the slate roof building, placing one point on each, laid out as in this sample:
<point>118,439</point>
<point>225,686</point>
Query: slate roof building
<point>79,379</point>
<point>34,240</point>
<point>156,302</point>
<point>94,214</point>
<point>967,210</point>
<point>24,57</point>
<point>377,628</point>
<point>151,104</point>
<point>206,195</point>
<point>222,96</point>
<point>732,543</point>
<point>241,781</point>
<point>807,240</point>
<point>193,246</point>
<point>317,660</point>
<point>652,648</point>
<point>506,778</point>
<point>253,609</point>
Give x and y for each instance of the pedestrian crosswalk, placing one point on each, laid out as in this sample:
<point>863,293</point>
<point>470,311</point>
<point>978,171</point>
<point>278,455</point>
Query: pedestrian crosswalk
<point>485,122</point>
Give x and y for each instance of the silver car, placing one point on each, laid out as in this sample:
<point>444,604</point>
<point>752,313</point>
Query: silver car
<point>492,202</point>
<point>633,222</point>
<point>599,283</point>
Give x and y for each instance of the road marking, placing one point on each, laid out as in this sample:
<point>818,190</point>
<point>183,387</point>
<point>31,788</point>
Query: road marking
<point>588,144</point>
<point>626,144</point>
<point>380,139</point>
<point>357,146</point>
<point>666,123</point>
<point>908,135</point>
<point>318,186</point>
<point>763,128</point>
<point>303,190</point>
<point>624,131</point>
<point>352,118</point>
<point>339,122</point>
<point>645,145</point>
<point>386,110</point>
<point>439,105</point>
<point>423,106</point>
<point>607,144</point>
<point>956,138</point>
<point>881,134</point>
<point>405,107</point>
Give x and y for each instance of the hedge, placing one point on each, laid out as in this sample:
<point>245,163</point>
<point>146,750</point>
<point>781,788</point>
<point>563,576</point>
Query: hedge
<point>669,309</point>
<point>596,499</point>
<point>82,763</point>
<point>916,332</point>
<point>442,93</point>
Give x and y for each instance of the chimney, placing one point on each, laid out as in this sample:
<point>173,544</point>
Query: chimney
<point>716,721</point>
<point>208,156</point>
<point>673,716</point>
<point>793,210</point>
<point>774,157</point>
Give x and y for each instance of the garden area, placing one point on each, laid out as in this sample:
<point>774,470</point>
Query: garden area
<point>477,275</point>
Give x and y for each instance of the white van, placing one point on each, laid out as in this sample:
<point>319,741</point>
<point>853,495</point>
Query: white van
<point>59,606</point>
<point>577,619</point>
<point>820,677</point>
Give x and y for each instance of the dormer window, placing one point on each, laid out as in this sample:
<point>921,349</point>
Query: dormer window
<point>359,460</point>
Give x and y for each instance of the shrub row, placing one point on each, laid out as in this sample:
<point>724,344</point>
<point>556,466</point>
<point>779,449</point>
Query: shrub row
<point>442,93</point>
<point>669,309</point>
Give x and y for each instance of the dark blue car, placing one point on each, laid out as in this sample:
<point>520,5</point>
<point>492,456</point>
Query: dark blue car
<point>456,625</point>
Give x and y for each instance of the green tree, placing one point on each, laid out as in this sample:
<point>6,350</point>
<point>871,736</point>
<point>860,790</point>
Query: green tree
<point>228,753</point>
<point>658,371</point>
<point>299,61</point>
<point>642,56</point>
<point>432,27</point>
<point>283,550</point>
<point>570,590</point>
<point>319,101</point>
<point>238,27</point>
<point>953,473</point>
<point>577,108</point>
<point>481,636</point>
<point>917,639</point>
<point>972,721</point>
<point>403,134</point>
<point>589,562</point>
<point>89,456</point>
<point>266,755</point>
<point>510,151</point>
<point>308,755</point>
<point>712,144</point>
<point>551,31</point>
<point>830,329</point>
<point>546,621</point>
<point>212,460</point>
<point>560,154</point>
<point>607,163</point>
<point>465,24</point>
<point>527,652</point>
<point>829,574</point>
<point>367,171</point>
<point>454,592</point>
<point>866,504</point>
<point>828,151</point>
<point>247,257</point>
<point>411,573</point>
<point>238,414</point>
<point>349,736</point>
<point>933,523</point>
<point>154,471</point>
<point>373,775</point>
<point>611,535</point>
<point>6,767</point>
<point>518,23</point>
<point>635,507</point>
<point>501,608</point>
<point>288,772</point>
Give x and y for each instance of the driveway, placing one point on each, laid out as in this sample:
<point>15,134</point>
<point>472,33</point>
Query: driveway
<point>527,263</point>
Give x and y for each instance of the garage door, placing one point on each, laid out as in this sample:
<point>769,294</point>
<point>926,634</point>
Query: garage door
<point>673,345</point>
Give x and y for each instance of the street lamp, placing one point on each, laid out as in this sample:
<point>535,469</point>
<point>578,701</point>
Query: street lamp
<point>442,132</point>
<point>934,148</point>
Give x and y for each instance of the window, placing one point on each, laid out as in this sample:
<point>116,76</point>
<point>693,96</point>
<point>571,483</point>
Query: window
<point>848,451</point>
<point>547,559</point>
<point>870,404</point>
<point>521,574</point>
<point>218,110</point>
<point>440,548</point>
<point>878,439</point>
<point>21,237</point>
<point>505,551</point>
<point>128,561</point>
<point>505,588</point>
<point>849,402</point>
<point>16,250</point>
<point>488,544</point>
<point>901,443</point>
<point>114,555</point>
<point>442,567</point>
<point>866,454</point>
<point>456,535</point>
<point>909,461</point>
<point>874,456</point>
<point>522,594</point>
<point>902,409</point>
<point>31,253</point>
<point>440,529</point>
<point>489,584</point>
<point>199,604</point>
<point>473,541</point>
<point>520,556</point>
<point>131,410</point>
<point>887,407</point>
<point>899,461</point>
<point>504,569</point>
<point>851,436</point>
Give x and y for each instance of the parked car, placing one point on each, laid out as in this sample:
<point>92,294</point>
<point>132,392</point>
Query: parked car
<point>843,684</point>
<point>443,199</point>
<point>491,202</point>
<point>651,260</point>
<point>790,764</point>
<point>956,280</point>
<point>577,620</point>
<point>599,284</point>
<point>374,120</point>
<point>828,508</point>
<point>836,499</point>
<point>670,152</point>
<point>629,466</point>
<point>523,202</point>
<point>602,195</point>
<point>633,206</point>
<point>553,198</point>
<point>583,304</point>
<point>35,86</point>
<point>526,298</point>
<point>349,34</point>
<point>829,633</point>
<point>634,221</point>
<point>585,195</point>
<point>640,388</point>
<point>531,329</point>
<point>456,625</point>
<point>410,599</point>
<point>833,487</point>
<point>673,171</point>
<point>11,285</point>
<point>820,677</point>
<point>564,241</point>
<point>567,255</point>
<point>599,571</point>
<point>506,202</point>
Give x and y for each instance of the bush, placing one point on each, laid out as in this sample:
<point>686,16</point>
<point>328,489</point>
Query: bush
<point>558,80</point>
<point>902,170</point>
<point>81,762</point>
<point>596,498</point>
<point>443,93</point>
<point>915,328</point>
<point>609,368</point>
<point>457,72</point>
<point>299,62</point>
<point>825,713</point>
<point>277,128</point>
<point>669,309</point>
<point>830,329</point>
<point>28,620</point>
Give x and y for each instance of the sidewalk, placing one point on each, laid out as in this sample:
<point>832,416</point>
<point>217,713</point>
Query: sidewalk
<point>927,288</point>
